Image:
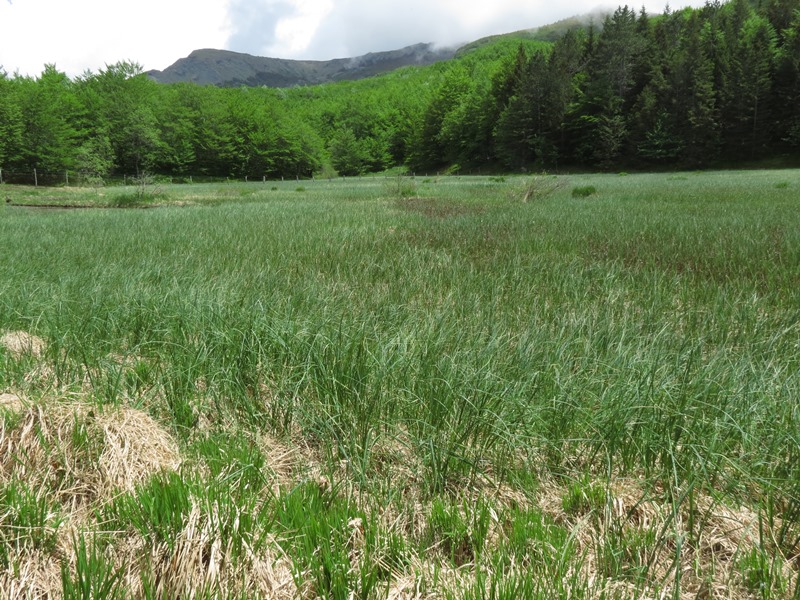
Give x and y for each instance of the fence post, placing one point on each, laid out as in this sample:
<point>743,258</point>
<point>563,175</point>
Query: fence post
<point>35,179</point>
<point>66,176</point>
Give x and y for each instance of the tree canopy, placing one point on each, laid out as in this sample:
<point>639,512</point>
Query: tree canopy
<point>714,85</point>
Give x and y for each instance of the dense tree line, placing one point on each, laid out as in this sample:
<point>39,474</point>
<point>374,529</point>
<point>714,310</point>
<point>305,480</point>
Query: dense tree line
<point>719,84</point>
<point>698,87</point>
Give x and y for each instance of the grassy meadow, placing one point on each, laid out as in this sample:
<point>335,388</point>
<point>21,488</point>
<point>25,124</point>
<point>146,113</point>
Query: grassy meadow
<point>582,386</point>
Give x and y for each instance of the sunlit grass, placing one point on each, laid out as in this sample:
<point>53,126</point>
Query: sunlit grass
<point>435,382</point>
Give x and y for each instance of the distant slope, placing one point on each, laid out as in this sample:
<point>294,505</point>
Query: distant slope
<point>224,68</point>
<point>547,33</point>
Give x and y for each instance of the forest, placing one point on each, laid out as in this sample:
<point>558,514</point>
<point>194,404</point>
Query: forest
<point>695,88</point>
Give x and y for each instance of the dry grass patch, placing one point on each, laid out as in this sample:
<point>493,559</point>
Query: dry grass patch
<point>289,462</point>
<point>81,453</point>
<point>37,575</point>
<point>11,402</point>
<point>636,543</point>
<point>199,561</point>
<point>21,343</point>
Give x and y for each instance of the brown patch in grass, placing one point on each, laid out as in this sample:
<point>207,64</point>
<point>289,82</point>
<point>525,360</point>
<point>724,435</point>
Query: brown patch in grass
<point>82,454</point>
<point>198,561</point>
<point>287,462</point>
<point>21,343</point>
<point>11,402</point>
<point>136,447</point>
<point>38,575</point>
<point>708,567</point>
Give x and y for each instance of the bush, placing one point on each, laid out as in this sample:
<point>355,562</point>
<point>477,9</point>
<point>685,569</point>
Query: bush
<point>539,186</point>
<point>401,187</point>
<point>583,191</point>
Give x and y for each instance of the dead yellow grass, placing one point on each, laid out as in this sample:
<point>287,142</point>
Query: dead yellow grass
<point>708,565</point>
<point>83,454</point>
<point>136,447</point>
<point>200,562</point>
<point>38,577</point>
<point>288,461</point>
<point>20,343</point>
<point>11,402</point>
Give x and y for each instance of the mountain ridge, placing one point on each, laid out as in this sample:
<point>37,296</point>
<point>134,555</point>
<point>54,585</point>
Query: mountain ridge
<point>225,68</point>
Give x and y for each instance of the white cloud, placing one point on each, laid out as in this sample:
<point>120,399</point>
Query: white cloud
<point>88,34</point>
<point>324,29</point>
<point>294,34</point>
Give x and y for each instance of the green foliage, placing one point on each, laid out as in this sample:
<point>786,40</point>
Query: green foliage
<point>535,539</point>
<point>460,530</point>
<point>625,552</point>
<point>234,459</point>
<point>761,574</point>
<point>11,124</point>
<point>87,441</point>
<point>584,497</point>
<point>347,154</point>
<point>95,576</point>
<point>28,519</point>
<point>48,107</point>
<point>698,87</point>
<point>583,191</point>
<point>401,186</point>
<point>157,510</point>
<point>324,531</point>
<point>422,351</point>
<point>146,190</point>
<point>95,160</point>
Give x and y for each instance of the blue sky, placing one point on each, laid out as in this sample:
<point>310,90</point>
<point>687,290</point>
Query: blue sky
<point>80,35</point>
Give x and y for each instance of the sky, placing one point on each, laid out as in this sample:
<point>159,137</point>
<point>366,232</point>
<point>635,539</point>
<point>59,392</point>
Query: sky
<point>86,35</point>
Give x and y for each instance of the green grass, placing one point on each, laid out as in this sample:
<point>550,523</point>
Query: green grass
<point>584,191</point>
<point>423,343</point>
<point>28,518</point>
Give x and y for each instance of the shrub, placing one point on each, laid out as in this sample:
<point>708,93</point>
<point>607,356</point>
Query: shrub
<point>540,186</point>
<point>401,187</point>
<point>583,191</point>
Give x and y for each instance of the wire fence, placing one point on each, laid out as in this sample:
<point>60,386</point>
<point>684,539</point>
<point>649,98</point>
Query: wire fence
<point>67,178</point>
<point>36,177</point>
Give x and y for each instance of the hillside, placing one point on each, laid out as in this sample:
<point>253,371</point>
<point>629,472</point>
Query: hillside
<point>546,33</point>
<point>639,92</point>
<point>225,68</point>
<point>229,69</point>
